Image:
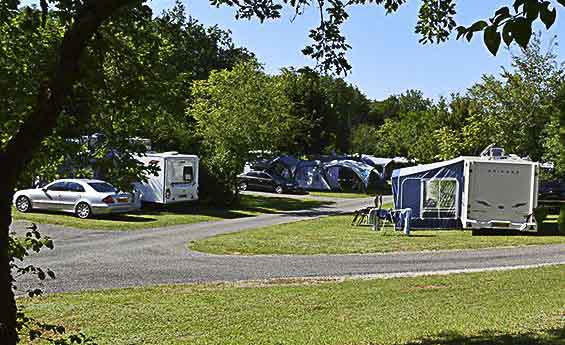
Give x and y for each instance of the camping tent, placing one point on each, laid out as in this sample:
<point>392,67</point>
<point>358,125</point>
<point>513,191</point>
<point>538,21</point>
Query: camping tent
<point>340,172</point>
<point>469,192</point>
<point>310,175</point>
<point>284,166</point>
<point>318,174</point>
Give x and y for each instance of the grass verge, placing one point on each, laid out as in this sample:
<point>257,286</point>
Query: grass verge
<point>335,235</point>
<point>341,195</point>
<point>173,214</point>
<point>510,307</point>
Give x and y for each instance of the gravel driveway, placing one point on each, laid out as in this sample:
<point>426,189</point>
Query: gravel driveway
<point>89,259</point>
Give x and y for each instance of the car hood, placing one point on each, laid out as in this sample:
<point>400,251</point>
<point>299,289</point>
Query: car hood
<point>29,190</point>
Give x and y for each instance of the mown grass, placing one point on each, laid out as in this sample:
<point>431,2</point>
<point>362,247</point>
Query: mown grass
<point>335,235</point>
<point>511,307</point>
<point>173,214</point>
<point>341,195</point>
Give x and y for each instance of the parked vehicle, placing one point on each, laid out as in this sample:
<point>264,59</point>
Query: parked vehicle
<point>263,181</point>
<point>469,192</point>
<point>176,181</point>
<point>83,197</point>
<point>552,190</point>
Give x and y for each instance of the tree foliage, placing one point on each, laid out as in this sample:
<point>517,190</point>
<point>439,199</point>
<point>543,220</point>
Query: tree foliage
<point>75,65</point>
<point>137,74</point>
<point>238,111</point>
<point>519,110</point>
<point>329,106</point>
<point>436,21</point>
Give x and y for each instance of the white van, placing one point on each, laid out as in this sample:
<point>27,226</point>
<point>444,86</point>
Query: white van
<point>176,181</point>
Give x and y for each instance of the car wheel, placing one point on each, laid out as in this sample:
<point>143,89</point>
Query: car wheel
<point>279,190</point>
<point>23,204</point>
<point>243,186</point>
<point>83,210</point>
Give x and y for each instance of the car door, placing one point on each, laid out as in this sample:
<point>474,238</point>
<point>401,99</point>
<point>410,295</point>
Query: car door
<point>253,181</point>
<point>48,198</point>
<point>266,182</point>
<point>69,197</point>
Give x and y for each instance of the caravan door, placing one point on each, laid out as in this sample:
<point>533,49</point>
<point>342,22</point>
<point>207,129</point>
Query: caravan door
<point>501,195</point>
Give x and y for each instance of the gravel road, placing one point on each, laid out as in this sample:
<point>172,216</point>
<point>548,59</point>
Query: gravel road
<point>89,259</point>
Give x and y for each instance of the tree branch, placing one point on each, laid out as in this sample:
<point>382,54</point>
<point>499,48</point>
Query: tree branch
<point>53,92</point>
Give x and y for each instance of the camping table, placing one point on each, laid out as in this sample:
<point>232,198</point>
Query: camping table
<point>561,205</point>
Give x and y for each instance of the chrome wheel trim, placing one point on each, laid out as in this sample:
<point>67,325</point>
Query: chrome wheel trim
<point>243,186</point>
<point>83,210</point>
<point>23,204</point>
<point>279,189</point>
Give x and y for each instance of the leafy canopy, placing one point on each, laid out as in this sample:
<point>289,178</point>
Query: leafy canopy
<point>238,111</point>
<point>436,21</point>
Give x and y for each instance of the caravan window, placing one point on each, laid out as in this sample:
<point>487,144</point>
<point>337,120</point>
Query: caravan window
<point>439,198</point>
<point>180,172</point>
<point>187,173</point>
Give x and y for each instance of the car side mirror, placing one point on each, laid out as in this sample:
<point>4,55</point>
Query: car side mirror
<point>44,190</point>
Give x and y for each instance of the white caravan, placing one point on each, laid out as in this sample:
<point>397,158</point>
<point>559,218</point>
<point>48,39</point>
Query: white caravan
<point>500,194</point>
<point>487,192</point>
<point>176,181</point>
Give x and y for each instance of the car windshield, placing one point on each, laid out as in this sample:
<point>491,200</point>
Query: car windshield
<point>102,187</point>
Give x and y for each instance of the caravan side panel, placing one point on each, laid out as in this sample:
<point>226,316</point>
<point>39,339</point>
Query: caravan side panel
<point>152,190</point>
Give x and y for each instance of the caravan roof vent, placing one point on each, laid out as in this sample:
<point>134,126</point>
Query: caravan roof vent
<point>170,153</point>
<point>494,152</point>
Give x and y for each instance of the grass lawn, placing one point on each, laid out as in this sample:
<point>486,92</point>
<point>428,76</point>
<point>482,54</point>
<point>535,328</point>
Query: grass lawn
<point>173,214</point>
<point>335,235</point>
<point>512,307</point>
<point>341,195</point>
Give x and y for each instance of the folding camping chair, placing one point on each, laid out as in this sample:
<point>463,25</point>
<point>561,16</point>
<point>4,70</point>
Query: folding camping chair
<point>361,217</point>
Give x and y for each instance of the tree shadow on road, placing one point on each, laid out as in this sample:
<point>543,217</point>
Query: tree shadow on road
<point>132,218</point>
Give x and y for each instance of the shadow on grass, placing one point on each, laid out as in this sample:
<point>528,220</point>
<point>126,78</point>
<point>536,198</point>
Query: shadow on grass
<point>122,217</point>
<point>545,337</point>
<point>186,209</point>
<point>547,229</point>
<point>275,205</point>
<point>247,204</point>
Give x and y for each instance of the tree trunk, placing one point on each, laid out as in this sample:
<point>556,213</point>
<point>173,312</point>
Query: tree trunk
<point>8,309</point>
<point>36,127</point>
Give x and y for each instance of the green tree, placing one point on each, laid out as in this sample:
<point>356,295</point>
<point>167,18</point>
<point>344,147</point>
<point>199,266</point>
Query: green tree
<point>519,103</point>
<point>83,19</point>
<point>40,117</point>
<point>238,111</point>
<point>554,143</point>
<point>329,106</point>
<point>409,122</point>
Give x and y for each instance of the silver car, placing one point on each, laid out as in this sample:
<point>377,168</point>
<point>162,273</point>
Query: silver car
<point>83,197</point>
